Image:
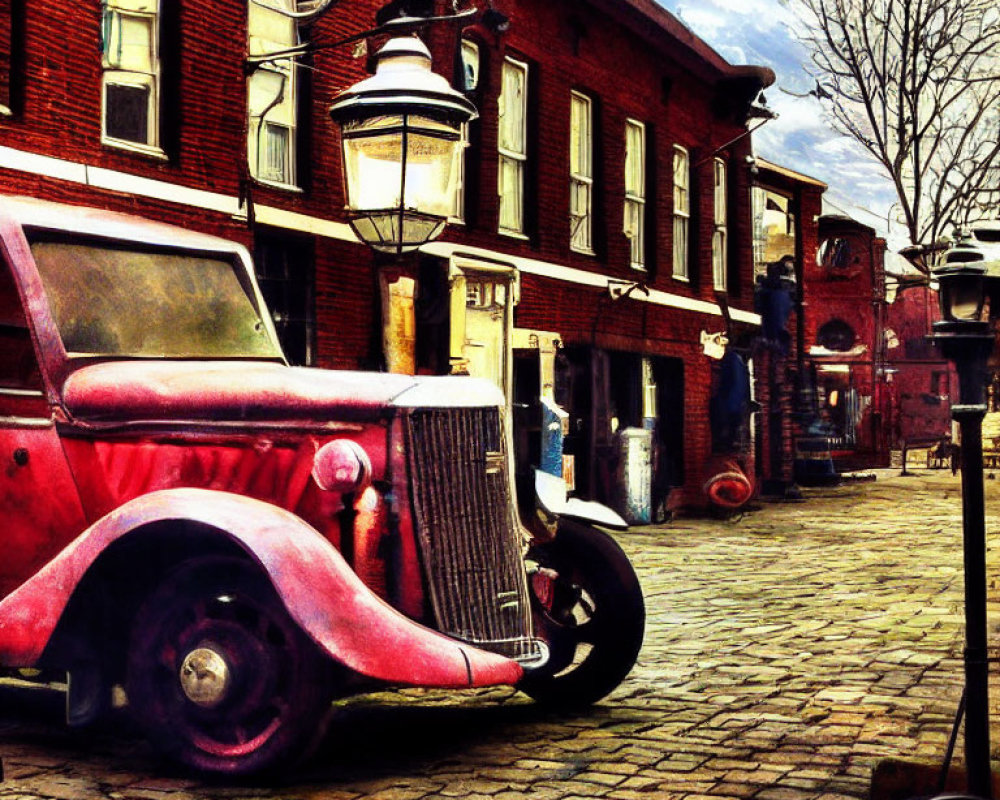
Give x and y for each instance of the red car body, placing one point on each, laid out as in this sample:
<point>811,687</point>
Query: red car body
<point>123,461</point>
<point>234,541</point>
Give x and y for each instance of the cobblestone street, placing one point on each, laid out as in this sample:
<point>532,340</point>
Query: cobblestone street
<point>786,654</point>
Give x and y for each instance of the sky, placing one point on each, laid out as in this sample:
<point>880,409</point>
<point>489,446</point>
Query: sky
<point>759,32</point>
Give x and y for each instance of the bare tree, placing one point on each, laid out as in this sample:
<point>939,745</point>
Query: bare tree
<point>917,83</point>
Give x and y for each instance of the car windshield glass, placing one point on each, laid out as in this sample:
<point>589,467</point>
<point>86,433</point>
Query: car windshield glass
<point>110,298</point>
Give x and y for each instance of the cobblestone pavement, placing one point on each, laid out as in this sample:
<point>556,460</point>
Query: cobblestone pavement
<point>787,652</point>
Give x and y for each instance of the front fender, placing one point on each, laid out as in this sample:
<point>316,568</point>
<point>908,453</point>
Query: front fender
<point>321,592</point>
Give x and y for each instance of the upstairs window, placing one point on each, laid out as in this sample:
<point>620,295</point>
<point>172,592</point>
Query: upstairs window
<point>719,239</point>
<point>468,83</point>
<point>131,74</point>
<point>682,211</point>
<point>581,173</point>
<point>272,93</point>
<point>635,192</point>
<point>470,66</point>
<point>513,146</point>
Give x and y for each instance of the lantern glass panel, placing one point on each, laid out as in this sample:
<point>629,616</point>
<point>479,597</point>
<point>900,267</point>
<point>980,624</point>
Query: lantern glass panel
<point>375,164</point>
<point>962,297</point>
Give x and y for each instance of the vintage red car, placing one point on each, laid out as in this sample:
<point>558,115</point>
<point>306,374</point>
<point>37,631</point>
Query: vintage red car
<point>232,541</point>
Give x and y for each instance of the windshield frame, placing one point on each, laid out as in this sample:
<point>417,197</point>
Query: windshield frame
<point>236,256</point>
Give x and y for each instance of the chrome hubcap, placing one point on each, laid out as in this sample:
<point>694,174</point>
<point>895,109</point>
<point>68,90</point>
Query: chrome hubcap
<point>205,677</point>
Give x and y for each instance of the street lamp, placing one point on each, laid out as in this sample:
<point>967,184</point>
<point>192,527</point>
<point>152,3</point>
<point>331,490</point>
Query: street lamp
<point>402,138</point>
<point>967,340</point>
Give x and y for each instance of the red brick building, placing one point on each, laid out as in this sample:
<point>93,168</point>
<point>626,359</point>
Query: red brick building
<point>845,331</point>
<point>603,233</point>
<point>834,377</point>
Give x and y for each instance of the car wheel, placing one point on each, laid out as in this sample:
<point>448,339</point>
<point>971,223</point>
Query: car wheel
<point>588,607</point>
<point>218,674</point>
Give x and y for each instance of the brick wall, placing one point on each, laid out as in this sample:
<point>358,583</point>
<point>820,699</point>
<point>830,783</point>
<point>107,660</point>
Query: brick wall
<point>570,45</point>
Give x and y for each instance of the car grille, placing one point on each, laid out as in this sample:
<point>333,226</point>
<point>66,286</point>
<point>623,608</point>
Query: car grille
<point>469,535</point>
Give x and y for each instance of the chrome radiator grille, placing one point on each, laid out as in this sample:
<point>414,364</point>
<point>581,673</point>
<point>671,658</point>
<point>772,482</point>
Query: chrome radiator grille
<point>469,538</point>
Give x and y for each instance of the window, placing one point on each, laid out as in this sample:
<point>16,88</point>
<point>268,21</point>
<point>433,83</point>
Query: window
<point>461,172</point>
<point>773,228</point>
<point>682,211</point>
<point>834,254</point>
<point>513,146</point>
<point>635,191</point>
<point>719,242</point>
<point>836,335</point>
<point>131,74</point>
<point>272,93</point>
<point>581,172</point>
<point>285,272</point>
<point>470,66</point>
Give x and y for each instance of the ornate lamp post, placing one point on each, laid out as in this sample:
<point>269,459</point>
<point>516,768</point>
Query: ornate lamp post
<point>402,138</point>
<point>967,340</point>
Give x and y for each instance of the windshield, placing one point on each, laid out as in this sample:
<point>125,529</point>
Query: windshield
<point>111,298</point>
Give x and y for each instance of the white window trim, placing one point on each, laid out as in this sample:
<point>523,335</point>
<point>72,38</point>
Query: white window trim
<point>507,155</point>
<point>720,214</point>
<point>287,71</point>
<point>581,234</point>
<point>117,76</point>
<point>680,269</point>
<point>636,198</point>
<point>457,216</point>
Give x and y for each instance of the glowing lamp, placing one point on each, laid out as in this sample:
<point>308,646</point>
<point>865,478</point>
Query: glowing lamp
<point>402,138</point>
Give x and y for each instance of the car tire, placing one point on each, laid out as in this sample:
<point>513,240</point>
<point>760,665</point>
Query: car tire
<point>589,608</point>
<point>220,677</point>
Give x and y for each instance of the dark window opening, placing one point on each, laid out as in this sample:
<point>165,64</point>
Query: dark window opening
<point>286,273</point>
<point>127,113</point>
<point>836,335</point>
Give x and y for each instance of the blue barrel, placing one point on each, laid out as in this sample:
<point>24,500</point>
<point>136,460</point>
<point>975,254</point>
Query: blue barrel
<point>814,462</point>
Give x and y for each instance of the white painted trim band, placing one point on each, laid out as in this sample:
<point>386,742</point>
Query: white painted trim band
<point>582,277</point>
<point>61,169</point>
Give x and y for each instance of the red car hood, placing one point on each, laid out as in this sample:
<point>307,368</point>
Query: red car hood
<point>230,390</point>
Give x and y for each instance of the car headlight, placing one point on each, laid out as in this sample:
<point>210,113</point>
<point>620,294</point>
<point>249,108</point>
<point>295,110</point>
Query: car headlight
<point>342,466</point>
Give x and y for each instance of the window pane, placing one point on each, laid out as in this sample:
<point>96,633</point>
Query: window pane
<point>511,211</point>
<point>512,108</point>
<point>720,192</point>
<point>470,65</point>
<point>719,259</point>
<point>680,247</point>
<point>635,230</point>
<point>274,158</point>
<point>579,210</point>
<point>126,112</point>
<point>580,140</point>
<point>681,178</point>
<point>129,44</point>
<point>635,159</point>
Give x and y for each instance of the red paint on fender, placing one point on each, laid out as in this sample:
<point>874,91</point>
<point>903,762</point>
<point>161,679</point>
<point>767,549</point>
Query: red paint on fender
<point>320,591</point>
